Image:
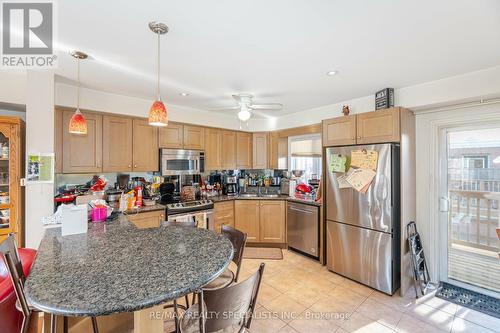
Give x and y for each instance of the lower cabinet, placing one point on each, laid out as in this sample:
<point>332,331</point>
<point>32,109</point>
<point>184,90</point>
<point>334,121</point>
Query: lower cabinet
<point>147,219</point>
<point>223,214</point>
<point>263,220</point>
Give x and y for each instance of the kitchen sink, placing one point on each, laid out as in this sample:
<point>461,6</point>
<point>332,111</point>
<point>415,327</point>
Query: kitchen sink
<point>248,195</point>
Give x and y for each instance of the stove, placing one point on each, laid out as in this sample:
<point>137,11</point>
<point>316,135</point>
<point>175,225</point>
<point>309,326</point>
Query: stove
<point>189,206</point>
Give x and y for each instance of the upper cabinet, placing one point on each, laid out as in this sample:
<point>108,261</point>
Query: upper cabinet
<point>365,128</point>
<point>145,146</point>
<point>244,147</point>
<point>213,145</point>
<point>260,150</point>
<point>82,153</point>
<point>116,144</point>
<point>228,150</point>
<point>171,136</point>
<point>378,126</point>
<point>194,137</point>
<point>278,151</point>
<point>182,136</point>
<point>339,131</point>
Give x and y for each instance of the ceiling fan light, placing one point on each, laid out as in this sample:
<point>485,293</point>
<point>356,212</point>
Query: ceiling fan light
<point>244,115</point>
<point>77,123</point>
<point>158,115</point>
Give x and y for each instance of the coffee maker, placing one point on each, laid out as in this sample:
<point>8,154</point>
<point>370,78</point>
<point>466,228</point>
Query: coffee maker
<point>231,185</point>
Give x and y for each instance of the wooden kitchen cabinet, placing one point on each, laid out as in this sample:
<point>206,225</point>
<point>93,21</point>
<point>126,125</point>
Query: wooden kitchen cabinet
<point>213,145</point>
<point>339,131</point>
<point>244,147</point>
<point>145,146</point>
<point>194,137</point>
<point>272,221</point>
<point>147,219</point>
<point>246,218</point>
<point>283,153</point>
<point>273,150</point>
<point>116,144</point>
<point>82,153</point>
<point>228,150</point>
<point>260,151</point>
<point>223,214</point>
<point>378,126</point>
<point>171,136</point>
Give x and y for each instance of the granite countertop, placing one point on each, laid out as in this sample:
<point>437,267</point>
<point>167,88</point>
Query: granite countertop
<point>280,197</point>
<point>116,267</point>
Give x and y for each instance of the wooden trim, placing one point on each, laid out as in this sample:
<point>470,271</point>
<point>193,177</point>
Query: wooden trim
<point>303,130</point>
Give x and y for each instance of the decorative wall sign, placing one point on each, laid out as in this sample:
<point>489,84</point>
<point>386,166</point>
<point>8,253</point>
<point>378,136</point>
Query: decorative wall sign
<point>40,168</point>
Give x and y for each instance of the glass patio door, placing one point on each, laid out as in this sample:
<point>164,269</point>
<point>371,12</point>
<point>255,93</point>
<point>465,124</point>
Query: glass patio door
<point>473,195</point>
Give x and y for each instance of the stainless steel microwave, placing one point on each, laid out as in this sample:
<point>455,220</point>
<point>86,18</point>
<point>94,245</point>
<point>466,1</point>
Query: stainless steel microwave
<point>181,162</point>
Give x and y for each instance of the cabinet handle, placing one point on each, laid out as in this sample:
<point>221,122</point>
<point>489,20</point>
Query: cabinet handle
<point>135,165</point>
<point>359,137</point>
<point>130,165</point>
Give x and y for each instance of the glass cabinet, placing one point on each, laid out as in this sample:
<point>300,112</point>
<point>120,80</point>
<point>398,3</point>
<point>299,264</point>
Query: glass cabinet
<point>11,172</point>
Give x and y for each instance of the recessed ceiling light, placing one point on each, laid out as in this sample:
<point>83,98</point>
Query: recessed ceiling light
<point>332,73</point>
<point>184,94</point>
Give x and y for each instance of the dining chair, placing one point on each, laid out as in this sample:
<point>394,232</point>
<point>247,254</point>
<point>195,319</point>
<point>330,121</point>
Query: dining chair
<point>8,249</point>
<point>229,309</point>
<point>238,239</point>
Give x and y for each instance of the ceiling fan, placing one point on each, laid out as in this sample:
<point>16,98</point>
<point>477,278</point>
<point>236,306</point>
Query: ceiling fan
<point>246,106</point>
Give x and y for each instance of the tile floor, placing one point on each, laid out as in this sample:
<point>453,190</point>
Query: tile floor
<point>298,295</point>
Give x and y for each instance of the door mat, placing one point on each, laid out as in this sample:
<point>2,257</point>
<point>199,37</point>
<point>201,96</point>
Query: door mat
<point>470,299</point>
<point>262,253</point>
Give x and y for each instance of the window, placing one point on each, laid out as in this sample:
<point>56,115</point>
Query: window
<point>475,162</point>
<point>305,154</point>
<point>310,164</point>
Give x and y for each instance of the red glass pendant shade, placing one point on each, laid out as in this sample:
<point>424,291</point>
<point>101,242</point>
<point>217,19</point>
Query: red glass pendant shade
<point>158,115</point>
<point>77,123</point>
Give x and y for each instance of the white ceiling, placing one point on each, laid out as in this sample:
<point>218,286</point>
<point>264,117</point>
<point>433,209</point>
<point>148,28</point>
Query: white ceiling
<point>277,50</point>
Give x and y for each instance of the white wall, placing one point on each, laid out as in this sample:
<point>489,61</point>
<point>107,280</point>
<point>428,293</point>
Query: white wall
<point>466,87</point>
<point>13,86</point>
<point>39,139</point>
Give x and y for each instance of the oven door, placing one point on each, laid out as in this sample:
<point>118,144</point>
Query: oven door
<point>181,162</point>
<point>204,218</point>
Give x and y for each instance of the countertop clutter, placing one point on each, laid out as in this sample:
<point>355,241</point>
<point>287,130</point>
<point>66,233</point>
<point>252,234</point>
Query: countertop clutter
<point>71,273</point>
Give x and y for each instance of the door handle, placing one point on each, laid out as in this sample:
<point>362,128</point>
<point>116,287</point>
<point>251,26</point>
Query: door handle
<point>444,204</point>
<point>301,210</point>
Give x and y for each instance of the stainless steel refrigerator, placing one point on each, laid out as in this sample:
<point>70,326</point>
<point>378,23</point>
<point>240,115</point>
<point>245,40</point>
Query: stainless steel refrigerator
<point>363,230</point>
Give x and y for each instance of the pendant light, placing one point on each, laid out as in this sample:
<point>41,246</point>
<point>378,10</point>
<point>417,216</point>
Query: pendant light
<point>158,115</point>
<point>77,123</point>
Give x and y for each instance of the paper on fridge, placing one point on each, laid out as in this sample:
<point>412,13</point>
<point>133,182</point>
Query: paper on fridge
<point>364,159</point>
<point>338,163</point>
<point>342,179</point>
<point>360,179</point>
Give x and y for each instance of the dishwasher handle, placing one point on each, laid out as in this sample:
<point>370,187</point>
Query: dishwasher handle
<point>301,210</point>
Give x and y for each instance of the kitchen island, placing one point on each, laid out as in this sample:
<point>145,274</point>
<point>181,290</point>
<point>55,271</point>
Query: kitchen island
<point>116,267</point>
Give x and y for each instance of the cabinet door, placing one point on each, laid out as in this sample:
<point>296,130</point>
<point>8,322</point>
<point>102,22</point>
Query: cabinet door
<point>339,131</point>
<point>147,219</point>
<point>244,150</point>
<point>283,154</point>
<point>223,214</point>
<point>272,221</point>
<point>116,144</point>
<point>378,126</point>
<point>228,156</point>
<point>171,136</point>
<point>273,150</point>
<point>246,218</point>
<point>213,149</point>
<point>194,137</point>
<point>260,151</point>
<point>82,153</point>
<point>145,146</point>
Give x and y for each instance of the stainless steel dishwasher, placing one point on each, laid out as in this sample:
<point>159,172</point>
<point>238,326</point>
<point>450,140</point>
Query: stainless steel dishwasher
<point>303,228</point>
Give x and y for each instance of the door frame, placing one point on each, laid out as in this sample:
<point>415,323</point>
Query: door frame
<point>429,127</point>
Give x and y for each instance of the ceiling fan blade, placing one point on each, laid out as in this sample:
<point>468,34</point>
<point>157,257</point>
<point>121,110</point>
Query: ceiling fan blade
<point>270,106</point>
<point>231,108</point>
<point>240,97</point>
